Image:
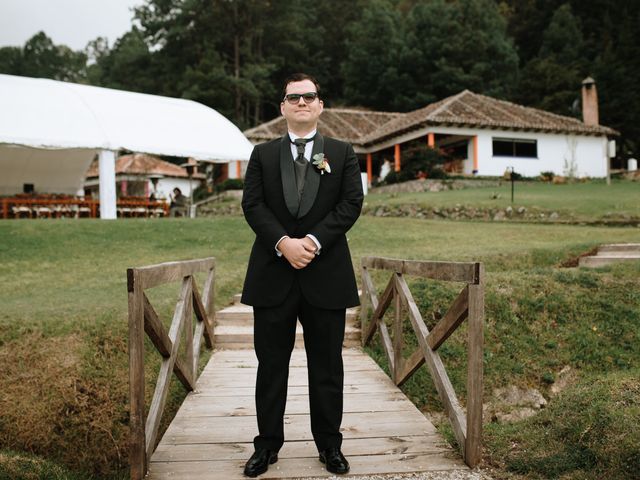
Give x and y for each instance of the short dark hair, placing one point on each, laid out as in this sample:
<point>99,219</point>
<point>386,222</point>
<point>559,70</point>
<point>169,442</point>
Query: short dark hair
<point>298,77</point>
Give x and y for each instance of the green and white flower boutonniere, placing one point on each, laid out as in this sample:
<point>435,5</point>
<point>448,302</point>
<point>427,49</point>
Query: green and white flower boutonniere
<point>321,163</point>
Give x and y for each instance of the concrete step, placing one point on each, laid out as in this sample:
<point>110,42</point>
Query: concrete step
<point>603,260</point>
<point>618,253</point>
<point>619,247</point>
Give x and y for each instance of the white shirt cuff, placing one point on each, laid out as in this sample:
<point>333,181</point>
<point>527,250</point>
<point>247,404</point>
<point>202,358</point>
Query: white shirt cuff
<point>315,240</point>
<point>278,252</point>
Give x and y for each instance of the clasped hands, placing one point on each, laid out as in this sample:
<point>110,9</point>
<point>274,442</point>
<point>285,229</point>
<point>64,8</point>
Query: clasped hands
<point>298,251</point>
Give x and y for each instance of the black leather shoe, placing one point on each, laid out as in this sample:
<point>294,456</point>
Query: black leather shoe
<point>334,460</point>
<point>259,462</point>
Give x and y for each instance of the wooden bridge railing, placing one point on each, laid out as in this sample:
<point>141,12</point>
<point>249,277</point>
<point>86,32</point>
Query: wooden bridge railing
<point>143,319</point>
<point>469,304</point>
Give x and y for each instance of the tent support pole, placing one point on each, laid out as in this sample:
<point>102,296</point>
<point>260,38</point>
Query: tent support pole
<point>107,185</point>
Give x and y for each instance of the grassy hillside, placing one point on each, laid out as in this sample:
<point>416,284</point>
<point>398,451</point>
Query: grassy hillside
<point>63,336</point>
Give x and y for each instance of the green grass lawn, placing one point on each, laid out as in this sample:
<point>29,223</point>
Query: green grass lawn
<point>63,334</point>
<point>583,201</point>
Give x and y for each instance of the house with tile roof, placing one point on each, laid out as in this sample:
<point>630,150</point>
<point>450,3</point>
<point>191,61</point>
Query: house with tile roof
<point>140,175</point>
<point>485,136</point>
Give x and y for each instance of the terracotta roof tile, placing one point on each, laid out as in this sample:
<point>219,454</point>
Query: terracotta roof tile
<point>474,110</point>
<point>348,124</point>
<point>143,164</point>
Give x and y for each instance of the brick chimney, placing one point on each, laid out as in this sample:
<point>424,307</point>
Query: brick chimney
<point>589,102</point>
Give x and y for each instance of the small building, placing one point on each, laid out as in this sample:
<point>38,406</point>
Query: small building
<point>483,135</point>
<point>140,175</point>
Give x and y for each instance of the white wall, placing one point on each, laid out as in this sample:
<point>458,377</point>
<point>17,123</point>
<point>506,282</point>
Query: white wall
<point>166,186</point>
<point>233,169</point>
<point>556,153</point>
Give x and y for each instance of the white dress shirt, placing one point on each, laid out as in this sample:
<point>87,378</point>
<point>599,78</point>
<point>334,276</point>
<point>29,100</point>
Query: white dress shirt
<point>308,148</point>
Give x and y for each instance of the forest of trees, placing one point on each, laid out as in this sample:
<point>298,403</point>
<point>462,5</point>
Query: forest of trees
<point>380,54</point>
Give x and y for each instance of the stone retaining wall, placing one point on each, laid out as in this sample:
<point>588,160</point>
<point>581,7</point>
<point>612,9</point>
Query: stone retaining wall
<point>434,185</point>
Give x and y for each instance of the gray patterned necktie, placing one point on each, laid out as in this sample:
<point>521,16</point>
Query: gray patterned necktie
<point>301,164</point>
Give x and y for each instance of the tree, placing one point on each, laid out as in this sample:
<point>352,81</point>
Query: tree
<point>616,71</point>
<point>478,54</point>
<point>11,60</point>
<point>128,66</point>
<point>373,68</point>
<point>551,80</point>
<point>40,57</point>
<point>216,51</point>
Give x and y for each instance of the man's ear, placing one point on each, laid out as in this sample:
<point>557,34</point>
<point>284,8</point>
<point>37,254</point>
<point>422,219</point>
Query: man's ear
<point>282,108</point>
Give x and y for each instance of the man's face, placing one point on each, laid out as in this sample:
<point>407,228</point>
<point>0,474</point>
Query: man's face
<point>301,114</point>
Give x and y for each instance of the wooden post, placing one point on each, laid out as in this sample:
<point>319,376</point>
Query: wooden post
<point>369,168</point>
<point>396,156</point>
<point>137,451</point>
<point>188,329</point>
<point>431,140</point>
<point>238,169</point>
<point>5,208</point>
<point>209,286</point>
<point>473,443</point>
<point>397,337</point>
<point>364,305</point>
<point>475,154</point>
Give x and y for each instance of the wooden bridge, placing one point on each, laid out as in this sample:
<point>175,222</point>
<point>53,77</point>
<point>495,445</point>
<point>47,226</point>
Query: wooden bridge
<point>211,435</point>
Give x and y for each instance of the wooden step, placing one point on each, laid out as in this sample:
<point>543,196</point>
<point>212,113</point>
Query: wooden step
<point>237,314</point>
<point>241,336</point>
<point>242,315</point>
<point>299,345</point>
<point>238,296</point>
<point>603,260</point>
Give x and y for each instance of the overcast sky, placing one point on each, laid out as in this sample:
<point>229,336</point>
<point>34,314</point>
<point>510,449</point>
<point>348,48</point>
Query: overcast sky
<point>69,22</point>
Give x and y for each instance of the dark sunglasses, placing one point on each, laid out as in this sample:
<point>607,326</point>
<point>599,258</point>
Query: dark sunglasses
<point>294,98</point>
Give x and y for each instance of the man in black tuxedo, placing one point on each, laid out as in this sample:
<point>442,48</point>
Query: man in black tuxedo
<point>302,193</point>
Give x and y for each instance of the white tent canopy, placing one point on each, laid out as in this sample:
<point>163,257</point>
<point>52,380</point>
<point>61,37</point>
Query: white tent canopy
<point>50,131</point>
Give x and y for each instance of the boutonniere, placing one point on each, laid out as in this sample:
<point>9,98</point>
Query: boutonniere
<point>321,163</point>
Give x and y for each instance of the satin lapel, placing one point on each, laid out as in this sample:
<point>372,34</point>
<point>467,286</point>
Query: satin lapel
<point>312,179</point>
<point>288,177</point>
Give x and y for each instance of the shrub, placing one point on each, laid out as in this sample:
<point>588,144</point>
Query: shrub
<point>547,176</point>
<point>422,162</point>
<point>230,184</point>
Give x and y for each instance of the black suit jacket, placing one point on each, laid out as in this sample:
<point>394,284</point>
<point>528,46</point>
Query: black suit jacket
<point>329,206</point>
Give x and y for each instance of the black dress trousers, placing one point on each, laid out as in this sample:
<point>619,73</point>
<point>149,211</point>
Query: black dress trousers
<point>274,340</point>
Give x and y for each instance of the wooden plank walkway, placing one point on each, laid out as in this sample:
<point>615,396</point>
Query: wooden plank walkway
<point>211,436</point>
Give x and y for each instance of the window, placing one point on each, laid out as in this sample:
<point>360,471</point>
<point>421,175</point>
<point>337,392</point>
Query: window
<point>512,147</point>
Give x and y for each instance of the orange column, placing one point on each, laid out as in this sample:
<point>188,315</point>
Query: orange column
<point>396,156</point>
<point>475,154</point>
<point>431,140</point>
<point>369,169</point>
<point>238,169</point>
